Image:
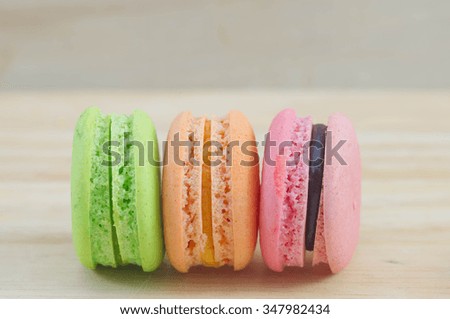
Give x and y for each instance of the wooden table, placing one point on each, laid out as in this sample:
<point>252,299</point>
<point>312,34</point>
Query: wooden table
<point>404,249</point>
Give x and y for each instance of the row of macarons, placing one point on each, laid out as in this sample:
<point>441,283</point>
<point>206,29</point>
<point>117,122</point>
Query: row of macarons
<point>307,198</point>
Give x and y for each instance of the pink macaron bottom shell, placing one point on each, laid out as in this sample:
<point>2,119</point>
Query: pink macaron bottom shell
<point>320,249</point>
<point>341,193</point>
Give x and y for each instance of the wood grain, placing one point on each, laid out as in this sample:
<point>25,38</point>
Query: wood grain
<point>404,251</point>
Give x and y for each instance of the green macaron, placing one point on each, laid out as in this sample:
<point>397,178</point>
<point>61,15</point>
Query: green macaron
<point>116,217</point>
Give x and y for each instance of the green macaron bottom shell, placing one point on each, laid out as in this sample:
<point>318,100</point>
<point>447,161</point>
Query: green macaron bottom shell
<point>116,216</point>
<point>147,179</point>
<point>123,190</point>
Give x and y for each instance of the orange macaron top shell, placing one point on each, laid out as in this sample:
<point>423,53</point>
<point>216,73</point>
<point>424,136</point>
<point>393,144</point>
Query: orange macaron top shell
<point>210,191</point>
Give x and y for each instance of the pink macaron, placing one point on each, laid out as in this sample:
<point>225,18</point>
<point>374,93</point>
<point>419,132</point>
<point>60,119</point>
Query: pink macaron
<point>310,192</point>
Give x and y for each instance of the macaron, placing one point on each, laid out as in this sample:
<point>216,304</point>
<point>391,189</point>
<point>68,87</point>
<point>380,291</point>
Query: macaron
<point>210,192</point>
<point>310,192</point>
<point>116,216</point>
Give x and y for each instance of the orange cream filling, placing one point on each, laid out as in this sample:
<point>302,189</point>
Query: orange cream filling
<point>208,252</point>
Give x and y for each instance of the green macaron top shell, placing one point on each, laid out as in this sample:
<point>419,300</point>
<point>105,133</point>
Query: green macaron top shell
<point>91,210</point>
<point>80,186</point>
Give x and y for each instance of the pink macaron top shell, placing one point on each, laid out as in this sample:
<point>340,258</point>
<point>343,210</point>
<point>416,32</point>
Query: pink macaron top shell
<point>271,198</point>
<point>341,193</point>
<point>284,191</point>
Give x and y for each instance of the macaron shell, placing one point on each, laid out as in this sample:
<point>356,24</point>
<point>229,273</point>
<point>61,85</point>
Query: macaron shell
<point>320,251</point>
<point>173,175</point>
<point>80,185</point>
<point>271,194</point>
<point>147,179</point>
<point>341,193</point>
<point>123,191</point>
<point>244,188</point>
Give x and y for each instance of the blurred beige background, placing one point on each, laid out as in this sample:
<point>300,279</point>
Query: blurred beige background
<point>60,44</point>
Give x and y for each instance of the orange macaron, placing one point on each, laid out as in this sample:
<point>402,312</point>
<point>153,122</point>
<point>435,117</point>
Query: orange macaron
<point>210,191</point>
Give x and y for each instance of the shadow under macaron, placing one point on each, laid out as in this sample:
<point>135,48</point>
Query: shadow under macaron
<point>203,282</point>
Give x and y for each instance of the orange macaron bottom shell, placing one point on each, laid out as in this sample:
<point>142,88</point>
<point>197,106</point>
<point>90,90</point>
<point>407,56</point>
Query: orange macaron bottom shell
<point>210,200</point>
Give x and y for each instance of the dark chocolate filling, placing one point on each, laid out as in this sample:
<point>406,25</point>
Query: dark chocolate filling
<point>316,164</point>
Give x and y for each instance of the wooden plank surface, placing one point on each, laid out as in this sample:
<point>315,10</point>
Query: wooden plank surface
<point>404,249</point>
